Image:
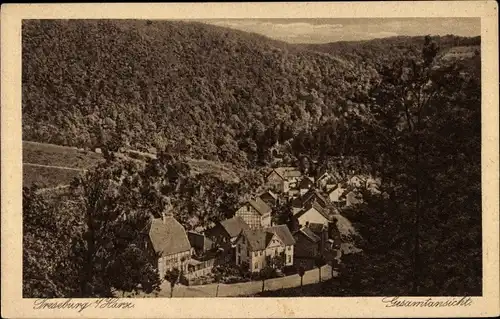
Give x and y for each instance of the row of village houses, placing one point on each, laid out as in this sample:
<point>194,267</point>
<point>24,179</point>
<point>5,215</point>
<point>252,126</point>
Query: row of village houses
<point>249,237</point>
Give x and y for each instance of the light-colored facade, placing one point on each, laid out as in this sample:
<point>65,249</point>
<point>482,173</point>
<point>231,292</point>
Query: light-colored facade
<point>258,248</point>
<point>252,217</point>
<point>282,179</point>
<point>322,181</point>
<point>356,181</point>
<point>277,182</point>
<point>168,240</point>
<point>256,259</point>
<point>336,194</point>
<point>311,215</point>
<point>178,260</point>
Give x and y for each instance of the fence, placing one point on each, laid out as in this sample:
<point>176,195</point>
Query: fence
<point>249,288</point>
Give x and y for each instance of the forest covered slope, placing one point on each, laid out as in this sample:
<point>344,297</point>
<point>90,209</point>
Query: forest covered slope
<point>205,88</point>
<point>210,92</point>
<point>213,92</point>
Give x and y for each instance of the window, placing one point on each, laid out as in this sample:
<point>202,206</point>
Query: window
<point>276,251</point>
<point>239,249</point>
<point>237,260</point>
<point>288,258</point>
<point>260,253</point>
<point>289,248</point>
<point>256,265</point>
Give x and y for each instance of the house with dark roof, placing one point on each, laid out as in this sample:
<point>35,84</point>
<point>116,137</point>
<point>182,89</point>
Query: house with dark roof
<point>314,240</point>
<point>260,247</point>
<point>270,198</point>
<point>312,196</point>
<point>317,228</point>
<point>307,243</point>
<point>226,231</point>
<point>169,242</point>
<point>305,185</point>
<point>312,213</point>
<point>200,243</point>
<point>256,213</point>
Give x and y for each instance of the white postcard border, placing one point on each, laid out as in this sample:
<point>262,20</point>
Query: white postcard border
<point>13,306</point>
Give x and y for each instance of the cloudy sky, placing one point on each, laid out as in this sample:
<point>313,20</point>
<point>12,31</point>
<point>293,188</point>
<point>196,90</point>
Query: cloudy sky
<point>331,30</point>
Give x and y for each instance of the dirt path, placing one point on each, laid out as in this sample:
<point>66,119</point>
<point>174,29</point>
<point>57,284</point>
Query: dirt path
<point>246,288</point>
<point>56,167</point>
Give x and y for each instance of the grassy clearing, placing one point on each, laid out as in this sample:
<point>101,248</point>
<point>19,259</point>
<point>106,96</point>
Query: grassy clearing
<point>223,171</point>
<point>55,155</point>
<point>70,157</point>
<point>461,52</point>
<point>46,177</point>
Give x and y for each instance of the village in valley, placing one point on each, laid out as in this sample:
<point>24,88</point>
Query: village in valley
<point>258,243</point>
<point>195,159</point>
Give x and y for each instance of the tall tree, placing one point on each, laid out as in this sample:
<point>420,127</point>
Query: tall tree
<point>172,276</point>
<point>114,219</point>
<point>49,270</point>
<point>421,105</point>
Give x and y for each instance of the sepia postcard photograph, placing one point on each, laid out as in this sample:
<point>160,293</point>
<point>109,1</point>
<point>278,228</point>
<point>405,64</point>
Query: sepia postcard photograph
<point>257,160</point>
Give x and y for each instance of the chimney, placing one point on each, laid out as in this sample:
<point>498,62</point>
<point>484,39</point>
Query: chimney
<point>167,211</point>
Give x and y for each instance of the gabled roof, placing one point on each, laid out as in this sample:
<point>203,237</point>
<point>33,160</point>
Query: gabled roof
<point>168,236</point>
<point>297,202</point>
<point>259,239</point>
<point>316,227</point>
<point>335,187</point>
<point>270,193</point>
<point>312,194</point>
<point>260,206</point>
<point>309,234</point>
<point>199,241</point>
<point>306,182</point>
<point>269,197</point>
<point>293,172</point>
<point>286,172</point>
<point>310,206</point>
<point>277,171</point>
<point>234,226</point>
<point>283,232</point>
<point>321,175</point>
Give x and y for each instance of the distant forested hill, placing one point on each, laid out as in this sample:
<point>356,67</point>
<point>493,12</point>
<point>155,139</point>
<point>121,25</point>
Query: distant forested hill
<point>209,92</point>
<point>385,50</point>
